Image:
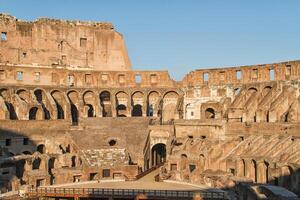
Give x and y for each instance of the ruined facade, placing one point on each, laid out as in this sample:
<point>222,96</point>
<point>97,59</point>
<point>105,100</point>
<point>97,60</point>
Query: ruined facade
<point>71,110</point>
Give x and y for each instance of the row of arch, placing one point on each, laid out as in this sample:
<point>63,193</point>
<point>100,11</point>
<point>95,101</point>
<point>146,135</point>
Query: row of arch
<point>262,172</point>
<point>38,104</point>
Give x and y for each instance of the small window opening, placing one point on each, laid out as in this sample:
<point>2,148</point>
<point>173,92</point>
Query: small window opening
<point>272,74</point>
<point>192,167</point>
<point>106,173</point>
<point>25,141</point>
<point>222,76</point>
<point>24,54</point>
<point>8,142</point>
<point>153,78</point>
<point>288,70</point>
<point>192,113</point>
<point>254,73</point>
<point>112,142</point>
<point>83,42</point>
<point>20,76</point>
<point>203,137</point>
<point>190,136</point>
<point>37,76</point>
<point>238,74</point>
<point>206,77</point>
<point>241,138</point>
<point>3,36</point>
<point>232,171</point>
<point>138,78</point>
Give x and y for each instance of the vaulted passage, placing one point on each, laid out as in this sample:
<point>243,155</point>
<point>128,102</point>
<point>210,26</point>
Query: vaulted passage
<point>158,154</point>
<point>105,103</point>
<point>41,99</point>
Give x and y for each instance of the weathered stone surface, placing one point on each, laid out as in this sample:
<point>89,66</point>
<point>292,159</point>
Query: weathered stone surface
<point>90,117</point>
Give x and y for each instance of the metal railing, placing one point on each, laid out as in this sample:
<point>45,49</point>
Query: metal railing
<point>122,193</point>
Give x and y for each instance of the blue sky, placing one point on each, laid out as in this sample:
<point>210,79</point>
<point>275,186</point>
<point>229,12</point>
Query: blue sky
<point>180,36</point>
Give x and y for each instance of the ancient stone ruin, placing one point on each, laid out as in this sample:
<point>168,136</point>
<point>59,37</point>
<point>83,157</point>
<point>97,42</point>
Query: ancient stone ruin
<point>72,111</point>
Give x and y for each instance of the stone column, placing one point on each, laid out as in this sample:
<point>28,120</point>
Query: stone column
<point>113,105</point>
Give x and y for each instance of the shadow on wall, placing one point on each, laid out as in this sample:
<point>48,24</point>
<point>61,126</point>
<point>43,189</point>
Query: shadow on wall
<point>15,149</point>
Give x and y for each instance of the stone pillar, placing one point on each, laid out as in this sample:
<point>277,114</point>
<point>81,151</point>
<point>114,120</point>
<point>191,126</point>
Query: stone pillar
<point>113,105</point>
<point>145,106</point>
<point>129,106</point>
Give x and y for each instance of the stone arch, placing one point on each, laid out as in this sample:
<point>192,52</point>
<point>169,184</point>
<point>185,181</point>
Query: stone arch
<point>137,99</point>
<point>252,170</point>
<point>158,154</point>
<point>24,95</point>
<point>263,172</point>
<point>105,102</point>
<point>121,104</point>
<point>60,103</point>
<point>266,90</point>
<point>90,104</point>
<point>153,103</point>
<point>6,97</point>
<point>169,111</point>
<point>73,97</point>
<point>33,113</point>
<point>41,98</point>
<point>41,148</point>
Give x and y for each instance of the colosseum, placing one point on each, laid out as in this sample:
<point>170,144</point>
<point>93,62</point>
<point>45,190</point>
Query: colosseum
<point>76,122</point>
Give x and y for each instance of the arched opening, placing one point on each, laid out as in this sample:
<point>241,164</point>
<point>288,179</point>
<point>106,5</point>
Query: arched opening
<point>10,108</point>
<point>74,114</point>
<point>40,97</point>
<point>137,111</point>
<point>41,148</point>
<point>121,110</point>
<point>210,113</point>
<point>121,104</point>
<point>36,163</point>
<point>89,102</point>
<point>169,110</point>
<point>59,100</point>
<point>74,100</point>
<point>159,154</point>
<point>32,113</point>
<point>105,104</point>
<point>152,104</point>
<point>137,100</point>
<point>90,111</point>
<point>254,171</point>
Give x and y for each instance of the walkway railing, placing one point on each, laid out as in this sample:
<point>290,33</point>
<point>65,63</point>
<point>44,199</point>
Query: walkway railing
<point>122,193</point>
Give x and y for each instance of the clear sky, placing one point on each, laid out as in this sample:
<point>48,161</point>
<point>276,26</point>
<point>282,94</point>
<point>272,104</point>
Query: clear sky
<point>182,35</point>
